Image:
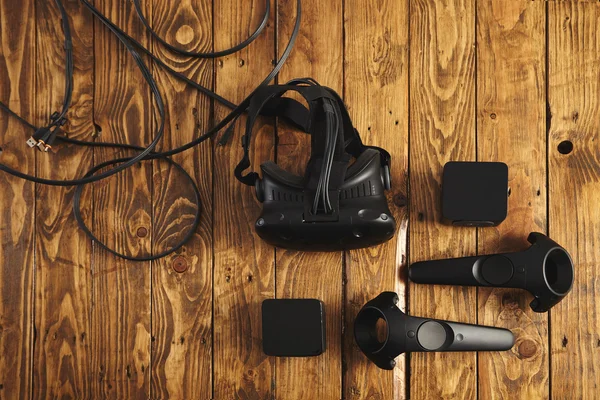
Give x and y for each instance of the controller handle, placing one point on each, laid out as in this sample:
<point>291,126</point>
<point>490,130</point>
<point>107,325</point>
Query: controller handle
<point>413,334</point>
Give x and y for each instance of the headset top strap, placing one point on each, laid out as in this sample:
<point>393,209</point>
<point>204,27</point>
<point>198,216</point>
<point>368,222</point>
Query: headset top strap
<point>268,101</point>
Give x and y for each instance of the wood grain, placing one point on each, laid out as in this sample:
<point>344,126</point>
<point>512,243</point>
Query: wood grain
<point>574,216</point>
<point>511,118</point>
<point>63,251</point>
<point>318,54</point>
<point>243,263</point>
<point>442,129</point>
<point>17,210</point>
<point>182,301</point>
<point>76,322</point>
<point>376,92</point>
<point>123,218</point>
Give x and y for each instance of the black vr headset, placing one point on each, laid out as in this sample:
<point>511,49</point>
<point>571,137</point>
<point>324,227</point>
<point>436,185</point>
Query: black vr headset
<point>337,205</point>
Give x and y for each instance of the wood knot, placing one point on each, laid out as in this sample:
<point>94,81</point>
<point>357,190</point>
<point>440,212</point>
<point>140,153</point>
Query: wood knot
<point>493,116</point>
<point>97,130</point>
<point>180,264</point>
<point>509,301</point>
<point>527,348</point>
<point>400,200</point>
<point>250,375</point>
<point>185,34</point>
<point>142,232</point>
<point>565,147</point>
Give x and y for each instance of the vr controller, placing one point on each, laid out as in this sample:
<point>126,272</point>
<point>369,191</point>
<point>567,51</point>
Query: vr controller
<point>409,334</point>
<point>545,270</point>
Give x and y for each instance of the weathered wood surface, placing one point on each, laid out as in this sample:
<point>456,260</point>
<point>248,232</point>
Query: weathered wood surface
<point>442,129</point>
<point>244,266</point>
<point>62,351</point>
<point>511,127</point>
<point>17,202</point>
<point>430,81</point>
<point>299,274</point>
<point>120,333</point>
<point>375,90</point>
<point>182,282</point>
<point>574,188</point>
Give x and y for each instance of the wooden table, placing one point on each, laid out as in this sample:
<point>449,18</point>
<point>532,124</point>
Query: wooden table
<point>431,81</point>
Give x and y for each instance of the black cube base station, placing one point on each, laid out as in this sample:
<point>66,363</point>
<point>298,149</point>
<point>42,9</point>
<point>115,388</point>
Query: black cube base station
<point>475,193</point>
<point>293,327</point>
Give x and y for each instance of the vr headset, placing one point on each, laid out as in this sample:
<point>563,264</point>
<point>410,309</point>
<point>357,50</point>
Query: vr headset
<point>337,204</point>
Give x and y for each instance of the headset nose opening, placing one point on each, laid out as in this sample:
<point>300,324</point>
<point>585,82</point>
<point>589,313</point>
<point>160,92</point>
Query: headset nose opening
<point>558,271</point>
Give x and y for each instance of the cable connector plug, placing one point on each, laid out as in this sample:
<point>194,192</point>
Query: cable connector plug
<point>42,139</point>
<point>31,142</point>
<point>40,135</point>
<point>43,146</point>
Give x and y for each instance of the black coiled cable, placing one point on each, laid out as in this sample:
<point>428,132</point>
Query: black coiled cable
<point>216,54</point>
<point>67,102</point>
<point>145,153</point>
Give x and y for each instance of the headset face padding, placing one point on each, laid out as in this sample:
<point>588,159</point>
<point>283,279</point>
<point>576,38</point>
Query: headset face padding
<point>363,219</point>
<point>275,171</point>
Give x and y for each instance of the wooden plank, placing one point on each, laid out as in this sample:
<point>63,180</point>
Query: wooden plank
<point>511,129</point>
<point>243,263</point>
<point>574,187</point>
<point>123,218</point>
<point>182,301</point>
<point>376,92</point>
<point>442,84</point>
<point>63,275</point>
<point>17,213</point>
<point>318,54</point>
<point>511,117</point>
